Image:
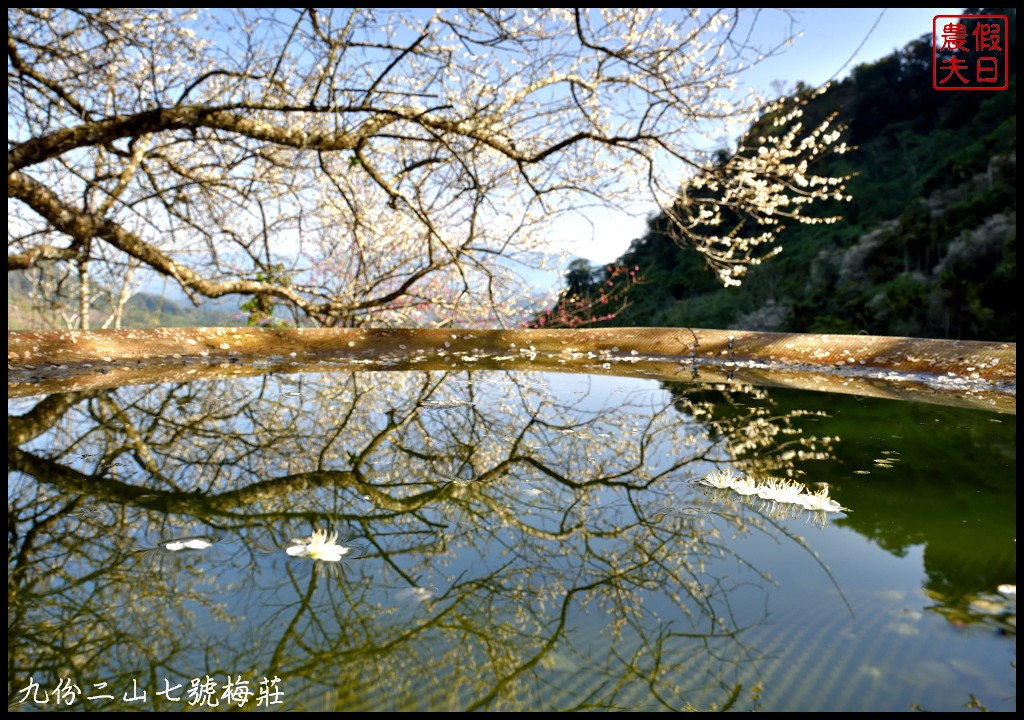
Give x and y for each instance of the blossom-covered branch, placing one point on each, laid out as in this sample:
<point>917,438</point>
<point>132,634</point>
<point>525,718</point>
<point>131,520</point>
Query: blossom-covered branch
<point>374,166</point>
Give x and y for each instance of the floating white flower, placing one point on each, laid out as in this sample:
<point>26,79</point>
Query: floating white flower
<point>182,545</point>
<point>776,490</point>
<point>780,490</point>
<point>721,479</point>
<point>191,543</point>
<point>745,485</point>
<point>820,501</point>
<point>318,546</point>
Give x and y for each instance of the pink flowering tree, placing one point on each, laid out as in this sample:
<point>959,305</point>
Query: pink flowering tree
<point>590,296</point>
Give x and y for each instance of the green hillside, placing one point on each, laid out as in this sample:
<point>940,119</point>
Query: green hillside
<point>926,248</point>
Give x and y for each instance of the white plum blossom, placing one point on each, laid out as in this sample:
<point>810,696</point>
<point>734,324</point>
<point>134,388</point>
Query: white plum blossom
<point>378,166</point>
<point>318,546</point>
<point>776,490</point>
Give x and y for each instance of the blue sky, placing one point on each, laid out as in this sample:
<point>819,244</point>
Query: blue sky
<point>829,38</point>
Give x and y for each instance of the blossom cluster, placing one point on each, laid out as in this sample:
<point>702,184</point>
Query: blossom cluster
<point>318,546</point>
<point>777,490</point>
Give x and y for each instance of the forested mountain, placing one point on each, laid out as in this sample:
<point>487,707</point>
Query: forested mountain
<point>926,246</point>
<point>27,309</point>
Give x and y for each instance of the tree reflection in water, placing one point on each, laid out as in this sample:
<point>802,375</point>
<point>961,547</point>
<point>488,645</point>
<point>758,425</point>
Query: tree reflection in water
<point>522,541</point>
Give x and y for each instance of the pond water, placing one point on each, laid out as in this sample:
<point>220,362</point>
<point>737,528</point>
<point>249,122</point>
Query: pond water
<point>506,541</point>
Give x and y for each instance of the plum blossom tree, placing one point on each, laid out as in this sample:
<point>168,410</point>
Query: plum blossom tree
<point>373,166</point>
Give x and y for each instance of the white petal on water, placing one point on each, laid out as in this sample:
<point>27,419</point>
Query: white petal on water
<point>193,543</point>
<point>420,594</point>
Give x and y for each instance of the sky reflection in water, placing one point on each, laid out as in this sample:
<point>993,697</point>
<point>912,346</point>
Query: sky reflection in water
<point>513,541</point>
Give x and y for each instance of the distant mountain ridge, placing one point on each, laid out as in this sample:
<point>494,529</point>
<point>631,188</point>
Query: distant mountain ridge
<point>142,310</point>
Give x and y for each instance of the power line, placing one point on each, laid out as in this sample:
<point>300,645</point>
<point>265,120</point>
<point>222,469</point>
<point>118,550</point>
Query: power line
<point>858,49</point>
